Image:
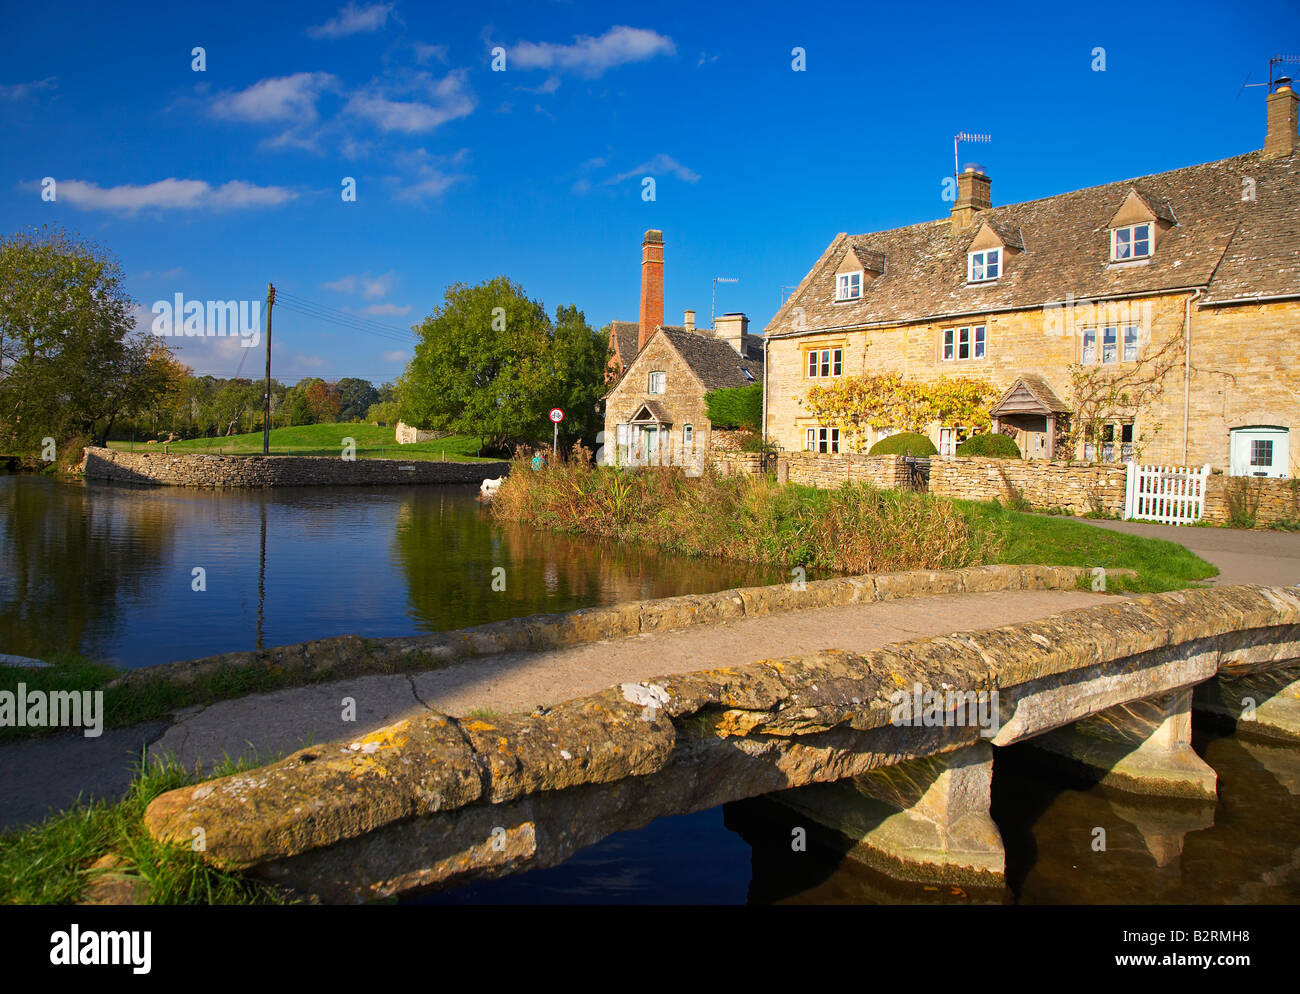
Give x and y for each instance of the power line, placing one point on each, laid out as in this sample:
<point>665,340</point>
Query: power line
<point>353,322</point>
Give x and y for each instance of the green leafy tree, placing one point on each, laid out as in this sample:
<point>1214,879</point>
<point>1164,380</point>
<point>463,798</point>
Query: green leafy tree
<point>490,363</point>
<point>71,362</point>
<point>355,398</point>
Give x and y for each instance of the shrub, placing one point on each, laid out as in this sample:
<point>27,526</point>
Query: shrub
<point>736,407</point>
<point>993,445</point>
<point>1243,501</point>
<point>905,443</point>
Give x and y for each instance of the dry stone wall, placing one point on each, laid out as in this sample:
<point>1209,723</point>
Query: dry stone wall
<point>1079,488</point>
<point>189,470</point>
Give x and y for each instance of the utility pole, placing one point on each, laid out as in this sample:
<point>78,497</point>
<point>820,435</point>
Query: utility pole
<point>266,409</point>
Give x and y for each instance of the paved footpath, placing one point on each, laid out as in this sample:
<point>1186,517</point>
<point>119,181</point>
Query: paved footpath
<point>1268,557</point>
<point>41,774</point>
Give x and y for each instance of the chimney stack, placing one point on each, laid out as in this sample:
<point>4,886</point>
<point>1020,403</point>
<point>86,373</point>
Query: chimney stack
<point>652,286</point>
<point>972,196</point>
<point>689,321</point>
<point>732,329</point>
<point>1282,118</point>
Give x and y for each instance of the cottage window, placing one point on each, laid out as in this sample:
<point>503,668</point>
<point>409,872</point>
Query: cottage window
<point>1089,345</point>
<point>822,439</point>
<point>1131,242</point>
<point>981,267</point>
<point>688,436</point>
<point>1130,343</point>
<point>825,362</point>
<point>658,382</point>
<point>957,343</point>
<point>848,286</point>
<point>1261,452</point>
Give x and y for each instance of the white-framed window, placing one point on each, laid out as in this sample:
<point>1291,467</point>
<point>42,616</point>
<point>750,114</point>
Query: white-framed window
<point>981,267</point>
<point>950,438</point>
<point>825,362</point>
<point>964,343</point>
<point>848,286</point>
<point>1116,440</point>
<point>621,442</point>
<point>1111,338</point>
<point>1131,242</point>
<point>688,436</point>
<point>658,382</point>
<point>821,439</point>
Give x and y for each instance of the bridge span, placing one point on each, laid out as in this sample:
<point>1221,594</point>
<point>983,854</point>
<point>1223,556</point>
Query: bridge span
<point>891,746</point>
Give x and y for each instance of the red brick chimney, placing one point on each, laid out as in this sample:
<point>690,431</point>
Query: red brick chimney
<point>652,286</point>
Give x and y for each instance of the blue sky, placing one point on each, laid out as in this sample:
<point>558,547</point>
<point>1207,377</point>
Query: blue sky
<point>212,183</point>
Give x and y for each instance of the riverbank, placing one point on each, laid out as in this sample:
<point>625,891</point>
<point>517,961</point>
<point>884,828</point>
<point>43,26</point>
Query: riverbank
<point>855,528</point>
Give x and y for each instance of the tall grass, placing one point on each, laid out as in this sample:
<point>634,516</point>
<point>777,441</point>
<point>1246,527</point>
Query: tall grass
<point>857,528</point>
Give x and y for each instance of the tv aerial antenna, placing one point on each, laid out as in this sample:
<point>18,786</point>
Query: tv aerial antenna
<point>1274,80</point>
<point>962,136</point>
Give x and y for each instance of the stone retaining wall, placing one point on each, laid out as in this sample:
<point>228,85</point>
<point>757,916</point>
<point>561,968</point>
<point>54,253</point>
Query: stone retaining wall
<point>1272,500</point>
<point>192,470</point>
<point>1073,486</point>
<point>817,470</point>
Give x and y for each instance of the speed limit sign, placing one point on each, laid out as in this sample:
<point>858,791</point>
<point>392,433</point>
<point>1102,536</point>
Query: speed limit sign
<point>557,415</point>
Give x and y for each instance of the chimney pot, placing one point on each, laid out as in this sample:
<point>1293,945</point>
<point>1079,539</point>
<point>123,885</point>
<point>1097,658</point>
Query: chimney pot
<point>689,320</point>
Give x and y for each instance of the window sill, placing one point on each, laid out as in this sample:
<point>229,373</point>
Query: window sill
<point>1129,263</point>
<point>983,282</point>
<point>847,300</point>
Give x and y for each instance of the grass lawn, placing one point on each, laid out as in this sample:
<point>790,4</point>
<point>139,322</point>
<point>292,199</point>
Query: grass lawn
<point>1056,541</point>
<point>372,442</point>
<point>53,862</point>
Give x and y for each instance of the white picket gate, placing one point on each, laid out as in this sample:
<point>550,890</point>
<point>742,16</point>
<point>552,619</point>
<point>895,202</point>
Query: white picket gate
<point>1172,495</point>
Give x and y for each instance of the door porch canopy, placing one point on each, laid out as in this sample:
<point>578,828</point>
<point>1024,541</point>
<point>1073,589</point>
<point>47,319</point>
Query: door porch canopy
<point>1030,405</point>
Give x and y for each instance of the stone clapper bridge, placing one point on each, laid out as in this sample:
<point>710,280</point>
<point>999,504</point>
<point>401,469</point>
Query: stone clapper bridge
<point>434,801</point>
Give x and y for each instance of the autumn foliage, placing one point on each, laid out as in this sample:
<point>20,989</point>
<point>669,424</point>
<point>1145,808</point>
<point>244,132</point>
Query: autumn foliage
<point>890,400</point>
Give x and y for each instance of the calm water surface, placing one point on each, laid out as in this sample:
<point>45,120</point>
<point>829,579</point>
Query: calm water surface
<point>107,571</point>
<point>1243,850</point>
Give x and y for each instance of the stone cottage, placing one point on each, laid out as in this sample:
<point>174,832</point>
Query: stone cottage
<point>655,412</point>
<point>1182,288</point>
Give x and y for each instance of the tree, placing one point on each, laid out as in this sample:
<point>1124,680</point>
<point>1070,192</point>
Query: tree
<point>355,396</point>
<point>70,361</point>
<point>490,363</point>
<point>324,401</point>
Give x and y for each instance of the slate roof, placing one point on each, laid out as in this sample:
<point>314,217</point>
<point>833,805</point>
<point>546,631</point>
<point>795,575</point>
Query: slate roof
<point>1039,389</point>
<point>623,338</point>
<point>1240,250</point>
<point>714,361</point>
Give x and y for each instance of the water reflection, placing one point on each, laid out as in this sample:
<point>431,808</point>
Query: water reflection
<point>1243,850</point>
<point>106,570</point>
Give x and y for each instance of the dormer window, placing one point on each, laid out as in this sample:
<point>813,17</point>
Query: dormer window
<point>983,266</point>
<point>848,286</point>
<point>1131,242</point>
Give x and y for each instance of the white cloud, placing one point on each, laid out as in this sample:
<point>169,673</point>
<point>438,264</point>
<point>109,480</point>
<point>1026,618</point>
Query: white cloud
<point>589,56</point>
<point>352,20</point>
<point>397,355</point>
<point>387,310</point>
<point>423,52</point>
<point>21,91</point>
<point>660,165</point>
<point>442,100</point>
<point>369,286</point>
<point>278,98</point>
<point>168,194</point>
